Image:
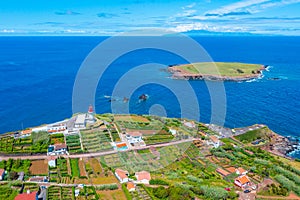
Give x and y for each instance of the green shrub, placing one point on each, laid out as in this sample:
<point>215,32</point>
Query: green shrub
<point>158,182</point>
<point>212,192</point>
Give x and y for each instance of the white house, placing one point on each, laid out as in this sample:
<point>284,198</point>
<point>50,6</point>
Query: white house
<point>80,121</point>
<point>24,133</point>
<point>134,137</point>
<point>57,128</point>
<point>189,124</point>
<point>213,141</point>
<point>2,173</point>
<point>143,177</point>
<point>242,181</point>
<point>52,161</point>
<point>57,149</point>
<point>122,175</point>
<point>40,128</point>
<point>130,186</point>
<point>173,131</point>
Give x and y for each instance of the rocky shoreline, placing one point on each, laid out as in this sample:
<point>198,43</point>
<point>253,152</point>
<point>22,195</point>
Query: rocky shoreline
<point>283,145</point>
<point>178,73</point>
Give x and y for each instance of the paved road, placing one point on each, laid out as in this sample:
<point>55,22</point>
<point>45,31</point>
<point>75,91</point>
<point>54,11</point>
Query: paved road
<point>86,155</point>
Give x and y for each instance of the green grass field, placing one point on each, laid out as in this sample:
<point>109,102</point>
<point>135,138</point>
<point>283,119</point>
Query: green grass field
<point>221,68</point>
<point>253,135</point>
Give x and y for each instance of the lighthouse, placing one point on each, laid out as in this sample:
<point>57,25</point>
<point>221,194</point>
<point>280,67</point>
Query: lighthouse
<point>90,115</point>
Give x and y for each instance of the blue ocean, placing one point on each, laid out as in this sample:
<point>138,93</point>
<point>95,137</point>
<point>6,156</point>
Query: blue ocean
<point>37,75</point>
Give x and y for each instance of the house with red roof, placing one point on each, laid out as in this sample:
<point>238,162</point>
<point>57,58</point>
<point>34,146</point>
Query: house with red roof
<point>52,161</point>
<point>122,175</point>
<point>27,196</point>
<point>130,186</point>
<point>242,181</point>
<point>2,173</point>
<point>57,149</point>
<point>143,177</point>
<point>214,141</point>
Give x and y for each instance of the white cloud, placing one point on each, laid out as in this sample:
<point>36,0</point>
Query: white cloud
<point>7,31</point>
<point>249,6</point>
<point>239,6</point>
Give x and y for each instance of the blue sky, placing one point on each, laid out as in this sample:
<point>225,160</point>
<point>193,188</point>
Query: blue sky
<point>102,17</point>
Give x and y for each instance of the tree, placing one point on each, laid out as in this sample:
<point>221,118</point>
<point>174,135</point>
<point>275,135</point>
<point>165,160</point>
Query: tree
<point>160,192</point>
<point>12,175</point>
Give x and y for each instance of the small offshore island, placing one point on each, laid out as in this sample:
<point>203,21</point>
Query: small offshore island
<point>113,156</point>
<point>217,71</point>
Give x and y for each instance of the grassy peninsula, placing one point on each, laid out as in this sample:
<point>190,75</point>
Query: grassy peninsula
<point>222,71</point>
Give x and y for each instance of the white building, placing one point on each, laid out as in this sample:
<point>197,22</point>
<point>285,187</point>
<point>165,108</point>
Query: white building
<point>2,173</point>
<point>173,131</point>
<point>57,128</point>
<point>142,177</point>
<point>80,121</point>
<point>214,141</point>
<point>57,149</point>
<point>40,128</point>
<point>122,175</point>
<point>52,162</point>
<point>134,137</point>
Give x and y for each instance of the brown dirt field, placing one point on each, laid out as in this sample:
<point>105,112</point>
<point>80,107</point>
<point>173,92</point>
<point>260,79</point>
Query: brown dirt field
<point>112,194</point>
<point>81,181</point>
<point>129,118</point>
<point>39,167</point>
<point>81,167</point>
<point>57,140</point>
<point>69,167</point>
<point>105,180</point>
<point>95,164</point>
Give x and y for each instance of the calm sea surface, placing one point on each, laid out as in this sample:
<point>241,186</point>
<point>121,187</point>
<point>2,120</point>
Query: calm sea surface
<point>37,76</point>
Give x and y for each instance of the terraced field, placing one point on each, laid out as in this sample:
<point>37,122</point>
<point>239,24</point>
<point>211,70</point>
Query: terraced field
<point>95,141</point>
<point>73,142</point>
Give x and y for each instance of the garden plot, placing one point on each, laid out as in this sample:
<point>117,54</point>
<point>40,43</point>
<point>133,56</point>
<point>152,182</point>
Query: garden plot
<point>152,124</point>
<point>111,194</point>
<point>39,167</point>
<point>73,143</point>
<point>60,193</point>
<point>140,194</point>
<point>95,141</point>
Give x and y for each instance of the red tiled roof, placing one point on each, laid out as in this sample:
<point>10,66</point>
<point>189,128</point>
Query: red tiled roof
<point>130,185</point>
<point>121,145</point>
<point>121,173</point>
<point>28,131</point>
<point>1,172</point>
<point>60,146</point>
<point>51,158</point>
<point>222,172</point>
<point>143,175</point>
<point>241,170</point>
<point>214,139</point>
<point>25,196</point>
<point>243,179</point>
<point>230,169</point>
<point>37,179</point>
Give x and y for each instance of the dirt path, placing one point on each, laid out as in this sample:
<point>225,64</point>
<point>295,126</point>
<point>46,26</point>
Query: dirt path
<point>292,196</point>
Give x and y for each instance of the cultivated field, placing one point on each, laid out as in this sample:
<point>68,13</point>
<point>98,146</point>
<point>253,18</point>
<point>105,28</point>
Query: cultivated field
<point>39,167</point>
